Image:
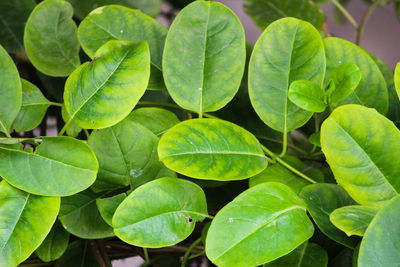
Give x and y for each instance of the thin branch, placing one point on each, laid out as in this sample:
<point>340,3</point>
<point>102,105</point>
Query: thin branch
<point>364,21</point>
<point>345,13</point>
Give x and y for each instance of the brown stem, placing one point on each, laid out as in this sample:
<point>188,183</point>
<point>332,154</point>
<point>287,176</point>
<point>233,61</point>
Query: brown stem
<point>103,251</point>
<point>97,253</point>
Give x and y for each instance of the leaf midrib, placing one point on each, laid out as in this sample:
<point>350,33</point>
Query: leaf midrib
<point>214,153</point>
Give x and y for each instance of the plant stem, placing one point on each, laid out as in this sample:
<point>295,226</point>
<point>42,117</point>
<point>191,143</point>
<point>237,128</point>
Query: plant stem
<point>280,142</point>
<point>86,133</point>
<point>364,21</point>
<point>162,104</point>
<point>97,253</point>
<point>286,165</point>
<point>146,256</point>
<point>64,128</point>
<point>189,250</point>
<point>196,255</point>
<point>56,104</point>
<point>345,13</point>
<point>284,143</point>
<point>103,252</point>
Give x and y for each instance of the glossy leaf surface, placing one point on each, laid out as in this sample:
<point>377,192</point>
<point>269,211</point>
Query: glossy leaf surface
<point>372,90</point>
<point>261,224</point>
<point>211,149</point>
<point>203,70</point>
<point>397,79</point>
<point>50,38</point>
<point>362,148</point>
<point>353,220</point>
<point>380,245</point>
<point>127,154</point>
<point>264,12</point>
<point>102,92</point>
<point>107,206</point>
<point>55,244</point>
<point>33,109</point>
<point>120,23</point>
<point>307,95</point>
<point>288,50</point>
<point>322,200</point>
<point>171,204</point>
<point>10,91</point>
<point>306,255</point>
<point>79,216</point>
<point>60,166</point>
<point>25,220</point>
<point>157,120</point>
<point>14,15</point>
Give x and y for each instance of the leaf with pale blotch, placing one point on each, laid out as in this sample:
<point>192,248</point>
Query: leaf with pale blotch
<point>211,149</point>
<point>171,204</point>
<point>269,217</point>
<point>55,244</point>
<point>203,70</point>
<point>102,92</point>
<point>307,95</point>
<point>362,147</point>
<point>107,206</point>
<point>25,221</point>
<point>353,220</point>
<point>288,50</point>
<point>114,22</point>
<point>33,109</point>
<point>60,166</point>
<point>51,40</point>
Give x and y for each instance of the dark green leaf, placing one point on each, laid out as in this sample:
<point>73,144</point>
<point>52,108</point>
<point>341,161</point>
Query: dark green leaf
<point>314,139</point>
<point>55,244</point>
<point>78,254</point>
<point>167,210</point>
<point>203,70</point>
<point>261,224</point>
<point>50,38</point>
<point>307,95</point>
<point>107,206</point>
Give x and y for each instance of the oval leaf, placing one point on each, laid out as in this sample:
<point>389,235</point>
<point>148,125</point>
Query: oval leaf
<point>107,206</point>
<point>60,166</point>
<point>102,92</point>
<point>322,200</point>
<point>120,23</point>
<point>203,70</point>
<point>33,109</point>
<point>50,38</point>
<point>288,50</point>
<point>127,154</point>
<point>157,120</point>
<point>381,242</point>
<point>25,221</point>
<point>307,95</point>
<point>55,244</point>
<point>306,255</point>
<point>211,149</point>
<point>10,91</point>
<point>362,148</point>
<point>353,220</point>
<point>171,204</point>
<point>269,217</point>
<point>371,91</point>
<point>79,216</point>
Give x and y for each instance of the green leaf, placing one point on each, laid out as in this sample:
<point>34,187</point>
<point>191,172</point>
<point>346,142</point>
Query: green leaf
<point>306,255</point>
<point>362,148</point>
<point>83,8</point>
<point>124,160</point>
<point>397,79</point>
<point>353,220</point>
<point>79,216</point>
<point>50,38</point>
<point>33,109</point>
<point>14,14</point>
<point>60,166</point>
<point>157,120</point>
<point>25,220</point>
<point>288,50</point>
<point>107,206</point>
<point>102,92</point>
<point>269,217</point>
<point>322,200</point>
<point>307,95</point>
<point>211,149</point>
<point>120,23</point>
<point>380,245</point>
<point>55,244</point>
<point>203,70</point>
<point>171,204</point>
<point>73,130</point>
<point>78,254</point>
<point>371,90</point>
<point>10,91</point>
<point>314,139</point>
<point>264,12</point>
<point>345,79</point>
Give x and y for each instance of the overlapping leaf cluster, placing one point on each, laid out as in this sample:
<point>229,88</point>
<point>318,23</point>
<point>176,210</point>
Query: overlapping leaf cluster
<point>311,176</point>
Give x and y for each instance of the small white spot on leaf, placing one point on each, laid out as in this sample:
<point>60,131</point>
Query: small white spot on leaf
<point>230,220</point>
<point>135,173</point>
